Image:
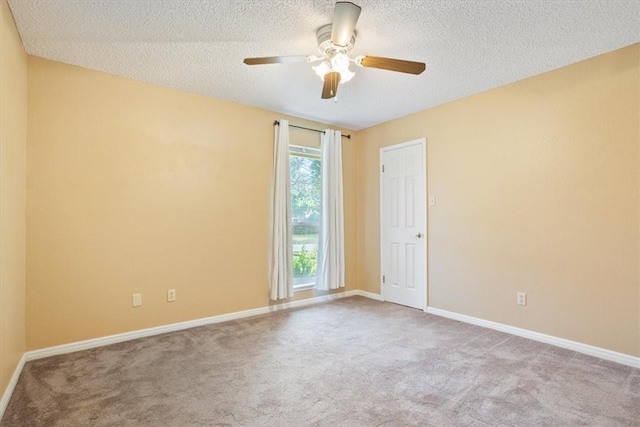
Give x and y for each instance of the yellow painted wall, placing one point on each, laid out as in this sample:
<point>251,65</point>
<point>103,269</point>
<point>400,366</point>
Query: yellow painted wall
<point>537,187</point>
<point>13,145</point>
<point>137,188</point>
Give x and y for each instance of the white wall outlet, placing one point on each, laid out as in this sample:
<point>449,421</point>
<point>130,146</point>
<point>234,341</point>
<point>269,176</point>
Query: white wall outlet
<point>137,300</point>
<point>171,295</point>
<point>521,298</point>
<point>432,200</point>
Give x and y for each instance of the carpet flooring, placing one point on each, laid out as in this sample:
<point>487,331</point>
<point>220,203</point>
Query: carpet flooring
<point>350,362</point>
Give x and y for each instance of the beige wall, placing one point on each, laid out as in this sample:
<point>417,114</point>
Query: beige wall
<point>537,187</point>
<point>137,188</point>
<point>13,143</point>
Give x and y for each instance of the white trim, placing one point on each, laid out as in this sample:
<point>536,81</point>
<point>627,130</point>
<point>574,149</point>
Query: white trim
<point>370,295</point>
<point>381,228</point>
<point>602,353</point>
<point>423,143</point>
<point>112,339</point>
<point>8,392</point>
<point>421,140</point>
<point>303,287</point>
<point>127,336</point>
<point>305,151</point>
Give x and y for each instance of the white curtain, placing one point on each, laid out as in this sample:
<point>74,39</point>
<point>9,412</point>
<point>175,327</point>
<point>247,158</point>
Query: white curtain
<point>331,253</point>
<point>280,254</point>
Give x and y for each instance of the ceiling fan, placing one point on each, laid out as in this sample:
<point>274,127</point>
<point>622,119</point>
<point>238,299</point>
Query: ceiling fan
<point>335,41</point>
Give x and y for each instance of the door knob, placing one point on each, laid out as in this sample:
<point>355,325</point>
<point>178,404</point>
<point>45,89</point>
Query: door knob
<point>419,235</point>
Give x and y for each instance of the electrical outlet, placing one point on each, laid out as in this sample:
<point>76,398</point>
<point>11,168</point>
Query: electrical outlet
<point>521,299</point>
<point>137,300</point>
<point>171,295</point>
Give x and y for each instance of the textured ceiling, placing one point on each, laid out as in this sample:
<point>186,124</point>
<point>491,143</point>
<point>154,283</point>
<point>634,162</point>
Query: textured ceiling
<point>198,46</point>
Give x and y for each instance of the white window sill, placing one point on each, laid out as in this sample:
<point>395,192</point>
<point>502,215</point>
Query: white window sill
<point>303,287</point>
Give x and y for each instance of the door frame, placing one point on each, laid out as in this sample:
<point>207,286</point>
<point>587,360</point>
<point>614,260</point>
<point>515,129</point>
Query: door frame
<point>425,242</point>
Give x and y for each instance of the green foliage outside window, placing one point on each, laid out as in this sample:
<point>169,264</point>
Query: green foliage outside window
<point>305,212</point>
<point>304,263</point>
<point>305,186</point>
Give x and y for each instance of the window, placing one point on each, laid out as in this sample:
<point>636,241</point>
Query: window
<point>306,189</point>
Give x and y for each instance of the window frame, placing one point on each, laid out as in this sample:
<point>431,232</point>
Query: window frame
<point>312,153</point>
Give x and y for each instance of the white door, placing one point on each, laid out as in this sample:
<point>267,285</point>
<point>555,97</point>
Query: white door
<point>403,219</point>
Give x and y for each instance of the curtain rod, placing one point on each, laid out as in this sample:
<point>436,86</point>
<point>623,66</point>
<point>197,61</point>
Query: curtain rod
<point>276,123</point>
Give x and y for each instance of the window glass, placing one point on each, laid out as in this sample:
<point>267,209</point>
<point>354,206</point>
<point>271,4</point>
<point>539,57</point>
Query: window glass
<point>306,188</point>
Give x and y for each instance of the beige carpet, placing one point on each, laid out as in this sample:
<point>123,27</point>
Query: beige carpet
<point>352,362</point>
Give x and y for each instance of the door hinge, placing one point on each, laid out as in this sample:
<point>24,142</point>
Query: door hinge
<point>382,168</point>
<point>383,278</point>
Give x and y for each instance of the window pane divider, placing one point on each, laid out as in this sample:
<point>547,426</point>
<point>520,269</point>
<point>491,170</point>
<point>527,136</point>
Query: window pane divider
<point>299,150</point>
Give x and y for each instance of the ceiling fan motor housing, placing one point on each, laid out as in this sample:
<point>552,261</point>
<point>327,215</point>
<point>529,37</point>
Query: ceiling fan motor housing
<point>323,35</point>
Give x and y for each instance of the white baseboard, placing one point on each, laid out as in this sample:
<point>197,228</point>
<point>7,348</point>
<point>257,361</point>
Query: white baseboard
<point>591,350</point>
<point>8,392</point>
<point>602,353</point>
<point>370,295</point>
<point>112,339</point>
<point>127,336</point>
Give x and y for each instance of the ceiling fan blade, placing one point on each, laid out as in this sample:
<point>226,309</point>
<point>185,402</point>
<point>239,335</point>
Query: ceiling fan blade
<point>345,17</point>
<point>275,60</point>
<point>400,65</point>
<point>330,88</point>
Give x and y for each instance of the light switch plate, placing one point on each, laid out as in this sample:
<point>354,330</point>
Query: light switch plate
<point>137,300</point>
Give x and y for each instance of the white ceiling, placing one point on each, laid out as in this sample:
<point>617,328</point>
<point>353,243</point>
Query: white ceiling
<point>198,46</point>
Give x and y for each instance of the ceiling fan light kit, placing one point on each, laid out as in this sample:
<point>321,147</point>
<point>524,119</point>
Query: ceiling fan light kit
<point>335,41</point>
<point>338,63</point>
